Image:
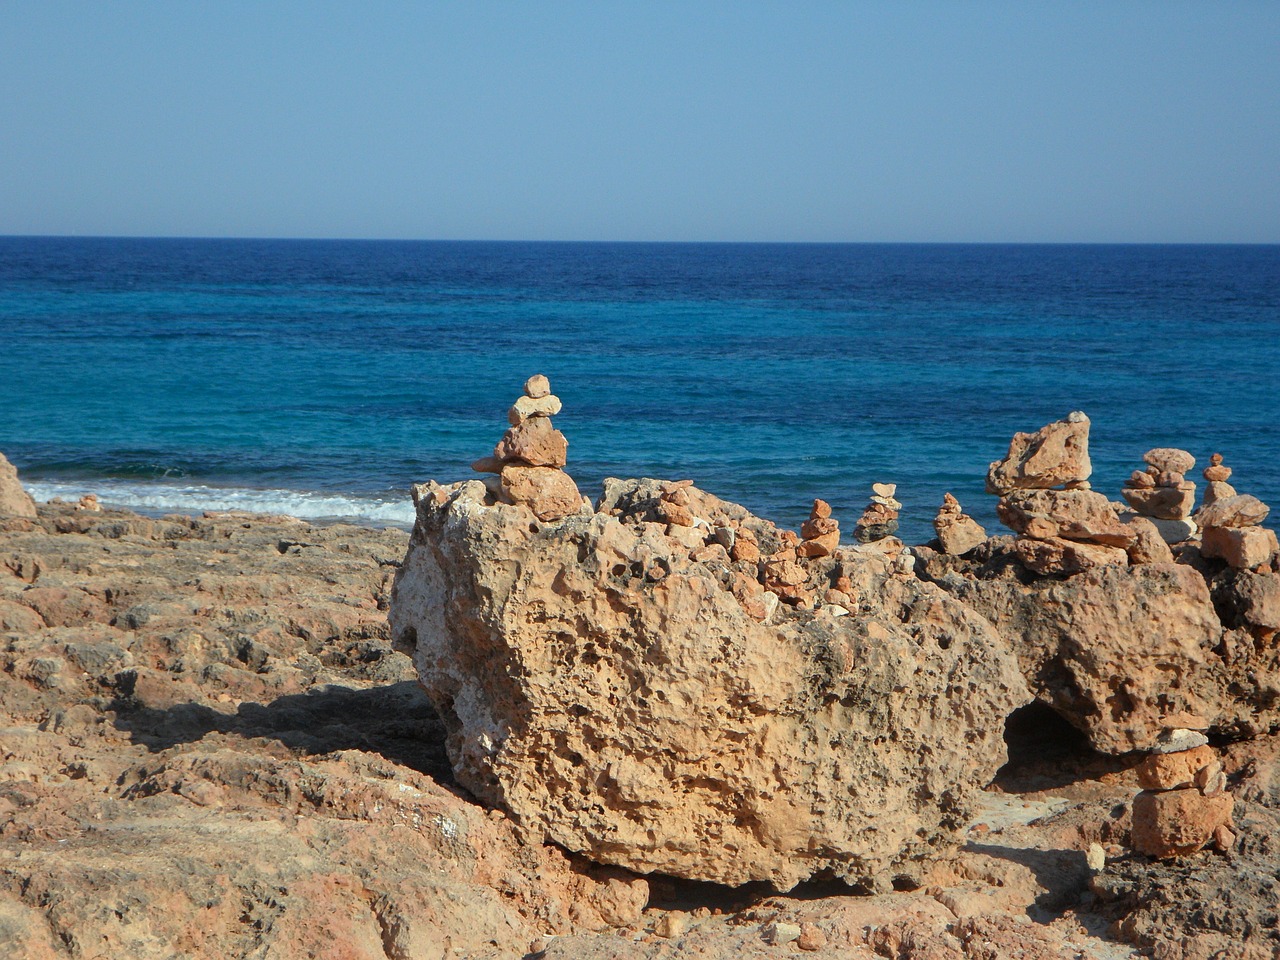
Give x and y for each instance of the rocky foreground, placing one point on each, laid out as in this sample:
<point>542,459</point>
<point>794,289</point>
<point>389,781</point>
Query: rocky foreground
<point>631,723</point>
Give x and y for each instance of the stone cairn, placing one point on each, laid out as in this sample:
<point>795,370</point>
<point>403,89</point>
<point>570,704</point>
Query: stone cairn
<point>820,533</point>
<point>958,533</point>
<point>880,519</point>
<point>1231,521</point>
<point>529,457</point>
<point>1163,494</point>
<point>1063,526</point>
<point>1184,804</point>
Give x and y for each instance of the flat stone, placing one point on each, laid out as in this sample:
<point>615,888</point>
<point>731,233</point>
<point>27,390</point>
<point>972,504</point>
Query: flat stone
<point>1059,556</point>
<point>527,407</point>
<point>1179,740</point>
<point>1174,531</point>
<point>1170,459</point>
<point>1169,771</point>
<point>1242,510</point>
<point>1164,503</point>
<point>1073,515</point>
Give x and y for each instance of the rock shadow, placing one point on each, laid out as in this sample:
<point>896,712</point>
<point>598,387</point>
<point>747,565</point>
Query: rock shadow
<point>1064,874</point>
<point>396,721</point>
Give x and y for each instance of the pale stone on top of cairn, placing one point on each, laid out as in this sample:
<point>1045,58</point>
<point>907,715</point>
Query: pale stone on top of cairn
<point>879,520</point>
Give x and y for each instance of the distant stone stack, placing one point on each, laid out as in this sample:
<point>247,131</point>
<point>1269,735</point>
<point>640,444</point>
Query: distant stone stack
<point>1231,521</point>
<point>1063,527</point>
<point>880,519</point>
<point>820,533</point>
<point>529,457</point>
<point>1184,805</point>
<point>1163,494</point>
<point>958,533</point>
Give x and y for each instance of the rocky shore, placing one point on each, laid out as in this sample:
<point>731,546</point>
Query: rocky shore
<point>653,725</point>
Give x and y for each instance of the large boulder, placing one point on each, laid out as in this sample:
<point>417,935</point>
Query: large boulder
<point>1055,454</point>
<point>617,686</point>
<point>14,501</point>
<point>1128,652</point>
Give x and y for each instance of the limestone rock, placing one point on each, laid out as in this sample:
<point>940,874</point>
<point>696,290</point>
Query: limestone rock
<point>1216,472</point>
<point>537,387</point>
<point>1174,531</point>
<point>1055,454</point>
<point>1166,503</point>
<point>14,501</point>
<point>1169,771</point>
<point>534,442</point>
<point>1148,545</point>
<point>652,722</point>
<point>1242,547</point>
<point>1177,823</point>
<point>1055,556</point>
<point>1170,460</point>
<point>526,407</point>
<point>1074,514</point>
<point>958,533</point>
<point>1216,490</point>
<point>1241,510</point>
<point>551,494</point>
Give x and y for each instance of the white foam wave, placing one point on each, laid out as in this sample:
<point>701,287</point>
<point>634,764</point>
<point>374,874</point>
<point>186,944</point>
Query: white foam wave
<point>196,498</point>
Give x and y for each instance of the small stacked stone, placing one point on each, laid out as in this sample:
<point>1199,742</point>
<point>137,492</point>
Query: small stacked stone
<point>1184,804</point>
<point>1163,494</point>
<point>528,458</point>
<point>820,533</point>
<point>958,533</point>
<point>880,519</point>
<point>1063,526</point>
<point>1231,523</point>
<point>782,574</point>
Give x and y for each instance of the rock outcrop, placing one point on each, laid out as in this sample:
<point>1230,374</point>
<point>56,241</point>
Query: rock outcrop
<point>629,693</point>
<point>958,533</point>
<point>14,500</point>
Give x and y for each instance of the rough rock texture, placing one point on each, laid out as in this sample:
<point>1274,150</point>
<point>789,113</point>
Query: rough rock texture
<point>1055,454</point>
<point>209,749</point>
<point>1125,653</point>
<point>616,695</point>
<point>1072,514</point>
<point>14,501</point>
<point>1054,555</point>
<point>1242,510</point>
<point>1176,823</point>
<point>958,533</point>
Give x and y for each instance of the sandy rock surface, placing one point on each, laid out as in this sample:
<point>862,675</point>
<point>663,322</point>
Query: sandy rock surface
<point>613,692</point>
<point>14,500</point>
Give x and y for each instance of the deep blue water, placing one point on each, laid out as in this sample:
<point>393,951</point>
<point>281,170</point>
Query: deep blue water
<point>323,377</point>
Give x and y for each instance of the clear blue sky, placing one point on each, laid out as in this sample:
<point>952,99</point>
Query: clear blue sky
<point>893,121</point>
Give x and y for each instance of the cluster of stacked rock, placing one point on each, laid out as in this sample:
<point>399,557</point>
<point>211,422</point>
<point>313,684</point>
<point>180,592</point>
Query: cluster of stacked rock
<point>880,519</point>
<point>1063,527</point>
<point>1230,523</point>
<point>1184,804</point>
<point>1163,494</point>
<point>529,457</point>
<point>958,533</point>
<point>820,533</point>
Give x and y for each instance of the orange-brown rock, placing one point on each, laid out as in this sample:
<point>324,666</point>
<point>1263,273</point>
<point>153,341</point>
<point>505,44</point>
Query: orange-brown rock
<point>1169,460</point>
<point>534,442</point>
<point>1074,515</point>
<point>1242,510</point>
<point>1055,454</point>
<point>537,387</point>
<point>14,500</point>
<point>819,546</point>
<point>1177,823</point>
<point>1244,548</point>
<point>551,494</point>
<point>1148,545</point>
<point>657,725</point>
<point>1216,490</point>
<point>1055,556</point>
<point>1169,771</point>
<point>821,510</point>
<point>818,527</point>
<point>1165,503</point>
<point>957,532</point>
<point>1216,472</point>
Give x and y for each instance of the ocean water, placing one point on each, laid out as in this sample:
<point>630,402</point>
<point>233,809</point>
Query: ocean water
<point>322,378</point>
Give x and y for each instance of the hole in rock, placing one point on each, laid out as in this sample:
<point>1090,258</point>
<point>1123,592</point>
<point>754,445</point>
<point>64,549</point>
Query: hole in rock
<point>1046,751</point>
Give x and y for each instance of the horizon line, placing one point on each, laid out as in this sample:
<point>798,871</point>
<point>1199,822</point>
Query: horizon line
<point>797,243</point>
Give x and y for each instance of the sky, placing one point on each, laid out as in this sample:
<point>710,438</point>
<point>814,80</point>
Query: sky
<point>965,121</point>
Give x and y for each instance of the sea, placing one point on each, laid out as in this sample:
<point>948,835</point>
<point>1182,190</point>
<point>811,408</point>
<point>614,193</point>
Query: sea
<point>323,378</point>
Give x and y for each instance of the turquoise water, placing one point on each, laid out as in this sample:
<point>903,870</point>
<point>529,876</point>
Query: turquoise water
<point>322,378</point>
